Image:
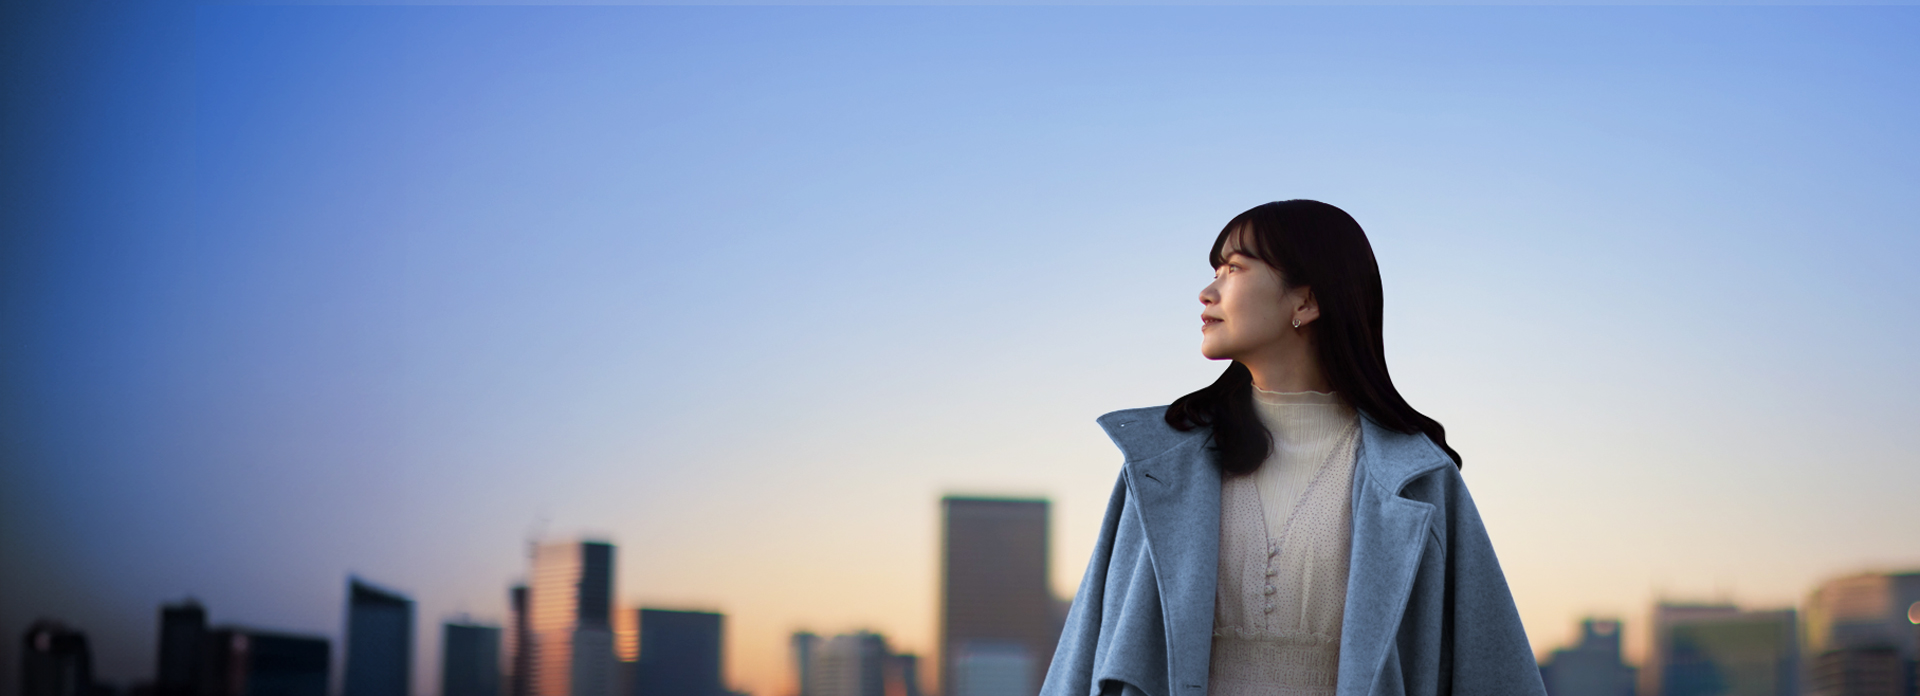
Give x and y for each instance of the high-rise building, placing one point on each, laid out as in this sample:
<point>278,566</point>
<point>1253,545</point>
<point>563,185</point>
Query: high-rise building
<point>379,641</point>
<point>849,665</point>
<point>680,654</point>
<point>1591,667</point>
<point>247,662</point>
<point>1861,637</point>
<point>1720,650</point>
<point>1652,675</point>
<point>519,645</point>
<point>853,664</point>
<point>626,649</point>
<point>469,660</point>
<point>196,660</point>
<point>1860,672</point>
<point>570,611</point>
<point>805,645</point>
<point>183,635</point>
<point>998,624</point>
<point>55,661</point>
<point>902,675</point>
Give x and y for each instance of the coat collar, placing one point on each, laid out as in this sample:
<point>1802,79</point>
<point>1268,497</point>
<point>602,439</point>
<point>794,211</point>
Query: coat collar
<point>1389,535</point>
<point>1173,477</point>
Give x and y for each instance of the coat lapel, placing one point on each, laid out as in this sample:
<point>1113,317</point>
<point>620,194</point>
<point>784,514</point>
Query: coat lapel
<point>1172,476</point>
<point>1389,535</point>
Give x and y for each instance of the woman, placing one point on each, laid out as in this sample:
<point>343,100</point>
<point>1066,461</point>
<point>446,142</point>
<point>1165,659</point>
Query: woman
<point>1295,527</point>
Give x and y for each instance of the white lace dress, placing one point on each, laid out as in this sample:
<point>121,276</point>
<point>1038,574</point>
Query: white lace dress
<point>1284,538</point>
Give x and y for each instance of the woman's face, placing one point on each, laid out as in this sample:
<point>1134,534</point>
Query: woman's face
<point>1246,310</point>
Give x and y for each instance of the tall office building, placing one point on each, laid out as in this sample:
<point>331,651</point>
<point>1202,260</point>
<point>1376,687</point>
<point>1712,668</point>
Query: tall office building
<point>1719,650</point>
<point>853,664</point>
<point>1861,635</point>
<point>55,661</point>
<point>626,649</point>
<point>469,660</point>
<point>379,641</point>
<point>1652,675</point>
<point>1860,672</point>
<point>183,634</point>
<point>902,675</point>
<point>247,662</point>
<point>570,610</point>
<point>680,654</point>
<point>998,625</point>
<point>805,645</point>
<point>519,645</point>
<point>1591,667</point>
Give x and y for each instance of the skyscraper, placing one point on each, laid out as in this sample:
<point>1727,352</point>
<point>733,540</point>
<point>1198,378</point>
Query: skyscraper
<point>55,661</point>
<point>1860,672</point>
<point>1592,667</point>
<point>570,611</point>
<point>183,635</point>
<point>520,645</point>
<point>229,661</point>
<point>805,644</point>
<point>247,662</point>
<point>853,664</point>
<point>902,675</point>
<point>1861,635</point>
<point>469,660</point>
<point>849,665</point>
<point>680,654</point>
<point>379,641</point>
<point>1719,650</point>
<point>626,649</point>
<point>997,620</point>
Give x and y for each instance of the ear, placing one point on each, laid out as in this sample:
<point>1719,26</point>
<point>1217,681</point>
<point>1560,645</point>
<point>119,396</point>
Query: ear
<point>1307,309</point>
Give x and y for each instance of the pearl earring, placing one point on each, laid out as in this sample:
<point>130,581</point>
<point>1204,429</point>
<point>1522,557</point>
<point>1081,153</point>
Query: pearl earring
<point>1296,323</point>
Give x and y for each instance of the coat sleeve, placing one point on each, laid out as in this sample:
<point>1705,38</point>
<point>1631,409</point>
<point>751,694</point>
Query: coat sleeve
<point>1071,673</point>
<point>1483,646</point>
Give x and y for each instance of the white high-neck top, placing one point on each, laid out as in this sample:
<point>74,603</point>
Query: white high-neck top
<point>1306,426</point>
<point>1283,553</point>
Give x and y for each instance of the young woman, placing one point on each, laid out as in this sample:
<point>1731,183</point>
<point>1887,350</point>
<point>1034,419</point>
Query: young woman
<point>1295,527</point>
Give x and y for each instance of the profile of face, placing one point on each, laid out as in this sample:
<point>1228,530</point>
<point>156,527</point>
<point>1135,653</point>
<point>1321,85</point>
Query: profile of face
<point>1248,312</point>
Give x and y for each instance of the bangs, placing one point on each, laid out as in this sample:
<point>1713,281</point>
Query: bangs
<point>1244,239</point>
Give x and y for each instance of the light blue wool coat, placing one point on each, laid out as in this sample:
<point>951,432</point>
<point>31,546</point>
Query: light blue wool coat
<point>1427,611</point>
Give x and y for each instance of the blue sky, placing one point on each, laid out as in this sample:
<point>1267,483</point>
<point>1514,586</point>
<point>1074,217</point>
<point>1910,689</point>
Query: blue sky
<point>293,292</point>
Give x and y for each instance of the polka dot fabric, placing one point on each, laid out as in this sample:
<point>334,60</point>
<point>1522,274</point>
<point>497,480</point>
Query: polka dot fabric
<point>1280,597</point>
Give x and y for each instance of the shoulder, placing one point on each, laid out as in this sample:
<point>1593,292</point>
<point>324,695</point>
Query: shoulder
<point>1143,433</point>
<point>1411,467</point>
<point>1397,461</point>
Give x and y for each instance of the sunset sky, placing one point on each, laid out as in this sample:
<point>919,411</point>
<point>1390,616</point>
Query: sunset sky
<point>297,292</point>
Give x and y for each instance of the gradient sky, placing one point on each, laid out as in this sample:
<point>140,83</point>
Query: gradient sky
<point>297,292</point>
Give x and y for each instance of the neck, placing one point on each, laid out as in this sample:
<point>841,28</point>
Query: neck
<point>1287,371</point>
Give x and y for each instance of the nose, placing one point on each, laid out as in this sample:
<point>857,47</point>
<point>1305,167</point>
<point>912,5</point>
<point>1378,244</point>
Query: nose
<point>1208,296</point>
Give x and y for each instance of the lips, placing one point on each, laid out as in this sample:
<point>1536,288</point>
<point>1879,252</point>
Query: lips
<point>1207,321</point>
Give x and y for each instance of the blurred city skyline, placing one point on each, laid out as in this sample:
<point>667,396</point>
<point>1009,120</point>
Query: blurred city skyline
<point>297,292</point>
<point>1854,635</point>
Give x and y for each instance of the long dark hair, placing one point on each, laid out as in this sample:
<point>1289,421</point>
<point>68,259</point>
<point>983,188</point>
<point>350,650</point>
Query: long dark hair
<point>1322,247</point>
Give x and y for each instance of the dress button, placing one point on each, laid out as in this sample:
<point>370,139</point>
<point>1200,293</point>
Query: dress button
<point>1269,589</point>
<point>1269,608</point>
<point>1272,572</point>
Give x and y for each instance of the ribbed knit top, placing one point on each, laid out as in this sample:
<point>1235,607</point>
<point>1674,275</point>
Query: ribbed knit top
<point>1283,552</point>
